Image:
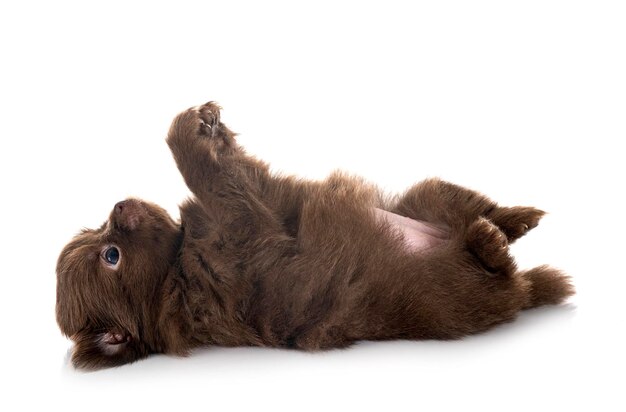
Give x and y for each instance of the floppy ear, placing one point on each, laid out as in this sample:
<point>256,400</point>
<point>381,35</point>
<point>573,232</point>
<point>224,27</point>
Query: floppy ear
<point>102,349</point>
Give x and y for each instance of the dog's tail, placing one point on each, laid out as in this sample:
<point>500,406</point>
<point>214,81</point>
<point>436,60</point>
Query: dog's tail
<point>548,286</point>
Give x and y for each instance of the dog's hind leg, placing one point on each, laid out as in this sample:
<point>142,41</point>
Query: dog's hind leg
<point>515,221</point>
<point>440,202</point>
<point>490,245</point>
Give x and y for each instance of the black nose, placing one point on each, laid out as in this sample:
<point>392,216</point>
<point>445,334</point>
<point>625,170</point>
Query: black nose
<point>119,206</point>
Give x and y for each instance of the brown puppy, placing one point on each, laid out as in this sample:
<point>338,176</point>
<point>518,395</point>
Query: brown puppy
<point>275,261</point>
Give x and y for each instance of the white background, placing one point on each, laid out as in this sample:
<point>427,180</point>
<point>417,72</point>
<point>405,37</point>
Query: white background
<point>525,101</point>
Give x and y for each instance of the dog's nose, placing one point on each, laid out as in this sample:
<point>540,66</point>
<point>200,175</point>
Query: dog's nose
<point>119,206</point>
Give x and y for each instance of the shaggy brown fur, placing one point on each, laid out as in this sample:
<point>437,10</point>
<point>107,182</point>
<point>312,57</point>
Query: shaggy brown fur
<point>267,260</point>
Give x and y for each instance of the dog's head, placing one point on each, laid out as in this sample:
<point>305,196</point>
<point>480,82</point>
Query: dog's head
<point>109,284</point>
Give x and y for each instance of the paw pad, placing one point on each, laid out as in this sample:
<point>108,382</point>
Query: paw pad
<point>208,117</point>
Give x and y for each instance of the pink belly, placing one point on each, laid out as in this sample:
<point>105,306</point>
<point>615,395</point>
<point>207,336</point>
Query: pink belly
<point>416,235</point>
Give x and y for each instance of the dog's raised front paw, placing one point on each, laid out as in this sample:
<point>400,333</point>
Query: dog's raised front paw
<point>209,118</point>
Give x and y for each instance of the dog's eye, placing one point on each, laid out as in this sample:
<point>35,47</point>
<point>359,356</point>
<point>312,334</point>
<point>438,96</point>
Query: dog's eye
<point>111,255</point>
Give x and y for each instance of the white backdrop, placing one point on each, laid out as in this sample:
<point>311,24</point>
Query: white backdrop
<point>524,101</point>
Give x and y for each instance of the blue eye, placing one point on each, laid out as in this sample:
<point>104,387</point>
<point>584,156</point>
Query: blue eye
<point>112,255</point>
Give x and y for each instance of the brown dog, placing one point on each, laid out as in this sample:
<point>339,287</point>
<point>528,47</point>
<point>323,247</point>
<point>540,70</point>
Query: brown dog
<point>275,261</point>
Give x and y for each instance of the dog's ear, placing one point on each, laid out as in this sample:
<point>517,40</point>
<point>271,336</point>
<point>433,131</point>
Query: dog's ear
<point>102,349</point>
